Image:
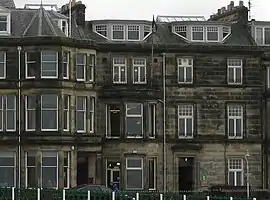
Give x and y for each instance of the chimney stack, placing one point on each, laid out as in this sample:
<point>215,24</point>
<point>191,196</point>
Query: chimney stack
<point>219,11</point>
<point>232,4</point>
<point>223,10</point>
<point>241,3</point>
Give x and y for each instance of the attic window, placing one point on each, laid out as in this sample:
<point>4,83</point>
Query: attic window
<point>212,33</point>
<point>226,32</point>
<point>133,32</point>
<point>3,23</point>
<point>197,33</point>
<point>181,31</point>
<point>64,26</point>
<point>118,32</point>
<point>102,30</point>
<point>146,31</point>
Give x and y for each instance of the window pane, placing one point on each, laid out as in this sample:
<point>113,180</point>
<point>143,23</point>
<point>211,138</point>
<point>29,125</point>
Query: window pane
<point>49,177</point>
<point>259,35</point>
<point>49,101</point>
<point>136,162</point>
<point>267,35</point>
<point>80,69</point>
<point>10,125</point>
<point>188,74</point>
<point>238,127</point>
<point>189,127</point>
<point>231,178</point>
<point>231,75</point>
<point>181,127</point>
<point>238,75</point>
<point>31,177</point>
<point>118,35</point>
<point>231,127</point>
<point>80,120</point>
<point>134,109</point>
<point>49,119</point>
<point>49,56</point>
<point>152,173</point>
<point>181,74</point>
<point>49,161</point>
<point>6,161</point>
<point>31,119</point>
<point>7,176</point>
<point>239,179</point>
<point>134,126</point>
<point>134,179</point>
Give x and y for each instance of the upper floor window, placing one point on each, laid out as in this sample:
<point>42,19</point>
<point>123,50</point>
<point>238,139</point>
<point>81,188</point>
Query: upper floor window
<point>118,32</point>
<point>119,70</point>
<point>139,70</point>
<point>133,32</point>
<point>8,168</point>
<point>49,112</point>
<point>8,113</point>
<point>91,64</point>
<point>92,114</point>
<point>65,64</point>
<point>102,30</point>
<point>181,31</point>
<point>3,64</point>
<point>185,70</point>
<point>30,64</point>
<point>235,121</point>
<point>134,120</point>
<point>235,172</point>
<point>185,121</point>
<point>30,170</point>
<point>262,35</point>
<point>66,112</point>
<point>113,120</point>
<point>5,23</point>
<point>49,64</point>
<point>30,113</point>
<point>234,74</point>
<point>212,34</point>
<point>81,114</point>
<point>81,67</point>
<point>197,33</point>
<point>49,170</point>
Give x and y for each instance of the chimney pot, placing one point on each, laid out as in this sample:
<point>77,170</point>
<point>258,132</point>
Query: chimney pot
<point>232,4</point>
<point>241,3</point>
<point>219,11</point>
<point>223,10</point>
<point>229,7</point>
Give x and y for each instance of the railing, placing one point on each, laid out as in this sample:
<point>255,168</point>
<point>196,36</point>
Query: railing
<point>62,194</point>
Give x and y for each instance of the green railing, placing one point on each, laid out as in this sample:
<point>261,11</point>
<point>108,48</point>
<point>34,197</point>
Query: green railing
<point>62,194</point>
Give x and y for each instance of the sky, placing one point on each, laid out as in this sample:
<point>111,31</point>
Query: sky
<point>145,9</point>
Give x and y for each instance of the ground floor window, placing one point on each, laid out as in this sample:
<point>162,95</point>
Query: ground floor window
<point>134,173</point>
<point>7,169</point>
<point>235,172</point>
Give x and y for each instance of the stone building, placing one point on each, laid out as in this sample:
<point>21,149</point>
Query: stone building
<point>87,103</point>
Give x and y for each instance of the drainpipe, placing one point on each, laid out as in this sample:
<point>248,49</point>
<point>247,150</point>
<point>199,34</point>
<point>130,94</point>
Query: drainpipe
<point>19,48</point>
<point>164,123</point>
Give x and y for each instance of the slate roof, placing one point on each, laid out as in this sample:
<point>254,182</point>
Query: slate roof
<point>7,4</point>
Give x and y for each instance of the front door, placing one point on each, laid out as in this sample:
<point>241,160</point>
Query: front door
<point>113,174</point>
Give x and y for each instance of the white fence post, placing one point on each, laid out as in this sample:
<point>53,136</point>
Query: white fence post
<point>38,194</point>
<point>160,196</point>
<point>184,197</point>
<point>207,198</point>
<point>13,193</point>
<point>88,195</point>
<point>113,195</point>
<point>137,196</point>
<point>231,198</point>
<point>254,198</point>
<point>64,194</point>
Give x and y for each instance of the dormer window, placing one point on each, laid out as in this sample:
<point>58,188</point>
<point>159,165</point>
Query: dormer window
<point>212,33</point>
<point>181,31</point>
<point>262,35</point>
<point>146,31</point>
<point>133,32</point>
<point>63,24</point>
<point>4,23</point>
<point>118,32</point>
<point>197,33</point>
<point>102,30</point>
<point>226,31</point>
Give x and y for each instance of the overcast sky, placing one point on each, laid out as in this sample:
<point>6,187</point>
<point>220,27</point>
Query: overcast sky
<point>144,9</point>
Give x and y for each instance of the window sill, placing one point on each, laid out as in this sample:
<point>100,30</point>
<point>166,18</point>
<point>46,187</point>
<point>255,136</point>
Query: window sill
<point>185,137</point>
<point>235,138</point>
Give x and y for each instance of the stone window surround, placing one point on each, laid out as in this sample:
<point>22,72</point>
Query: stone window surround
<point>5,109</point>
<point>51,62</point>
<point>236,169</point>
<point>263,34</point>
<point>235,64</point>
<point>235,112</point>
<point>188,112</point>
<point>119,66</point>
<point>139,65</point>
<point>185,63</point>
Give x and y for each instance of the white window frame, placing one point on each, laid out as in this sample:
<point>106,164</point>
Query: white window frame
<point>180,29</point>
<point>67,112</point>
<point>115,27</point>
<point>81,65</point>
<point>195,29</point>
<point>136,116</point>
<point>231,63</point>
<point>155,172</point>
<point>51,61</point>
<point>135,168</point>
<point>26,65</point>
<point>92,64</point>
<point>240,115</point>
<point>236,170</point>
<point>263,34</point>
<point>68,170</point>
<point>61,26</point>
<point>49,166</point>
<point>188,108</point>
<point>2,110</point>
<point>14,109</point>
<point>140,66</point>
<point>133,28</point>
<point>119,67</point>
<point>212,29</point>
<point>51,109</point>
<point>66,64</point>
<point>4,64</point>
<point>184,63</point>
<point>154,120</point>
<point>101,27</point>
<point>228,31</point>
<point>8,155</point>
<point>92,113</point>
<point>8,16</point>
<point>84,111</point>
<point>26,114</point>
<point>26,168</point>
<point>147,29</point>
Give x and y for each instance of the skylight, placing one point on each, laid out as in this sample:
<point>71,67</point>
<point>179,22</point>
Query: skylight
<point>179,18</point>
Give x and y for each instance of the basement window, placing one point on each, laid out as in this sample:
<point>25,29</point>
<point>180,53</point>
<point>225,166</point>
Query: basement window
<point>180,30</point>
<point>102,30</point>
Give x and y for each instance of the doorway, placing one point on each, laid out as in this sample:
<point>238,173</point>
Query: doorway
<point>186,173</point>
<point>82,169</point>
<point>113,174</point>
